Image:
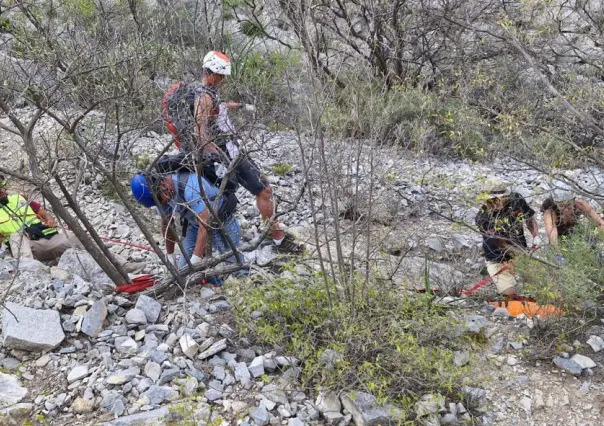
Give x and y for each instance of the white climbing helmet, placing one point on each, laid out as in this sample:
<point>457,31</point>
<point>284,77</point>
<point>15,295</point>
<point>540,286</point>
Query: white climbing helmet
<point>217,62</point>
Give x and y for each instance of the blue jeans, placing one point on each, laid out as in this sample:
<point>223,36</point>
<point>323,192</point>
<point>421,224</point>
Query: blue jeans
<point>219,243</point>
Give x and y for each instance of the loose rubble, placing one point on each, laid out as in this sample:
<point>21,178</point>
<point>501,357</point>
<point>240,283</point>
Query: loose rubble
<point>144,360</point>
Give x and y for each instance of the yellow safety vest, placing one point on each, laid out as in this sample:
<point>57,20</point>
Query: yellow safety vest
<point>15,215</point>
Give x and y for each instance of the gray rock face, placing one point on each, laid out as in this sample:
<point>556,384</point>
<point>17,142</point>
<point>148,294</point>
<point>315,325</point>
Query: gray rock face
<point>145,418</point>
<point>81,263</point>
<point>136,316</point>
<point>188,345</point>
<point>474,323</point>
<point>475,397</point>
<point>256,367</point>
<point>123,376</point>
<point>364,409</point>
<point>113,402</point>
<point>92,324</point>
<point>125,345</point>
<point>11,391</point>
<point>82,406</point>
<point>214,349</point>
<point>429,405</point>
<point>260,415</point>
<point>77,373</point>
<point>329,405</point>
<point>596,343</point>
<point>583,361</point>
<point>568,365</point>
<point>158,394</point>
<point>28,329</point>
<point>152,370</point>
<point>150,306</point>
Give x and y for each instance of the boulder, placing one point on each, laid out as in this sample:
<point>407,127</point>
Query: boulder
<point>329,405</point>
<point>81,263</point>
<point>145,418</point>
<point>27,329</point>
<point>150,306</point>
<point>93,321</point>
<point>583,361</point>
<point>568,365</point>
<point>11,391</point>
<point>364,409</point>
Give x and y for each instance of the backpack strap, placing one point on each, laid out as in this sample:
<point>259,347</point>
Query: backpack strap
<point>183,178</point>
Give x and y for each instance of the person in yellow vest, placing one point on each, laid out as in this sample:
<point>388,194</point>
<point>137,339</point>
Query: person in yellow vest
<point>31,232</point>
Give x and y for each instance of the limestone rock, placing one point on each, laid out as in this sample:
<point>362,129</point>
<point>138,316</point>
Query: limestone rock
<point>364,409</point>
<point>583,361</point>
<point>77,373</point>
<point>11,391</point>
<point>93,321</point>
<point>136,316</point>
<point>150,306</point>
<point>596,343</point>
<point>568,365</point>
<point>188,345</point>
<point>82,405</point>
<point>28,329</point>
<point>329,405</point>
<point>213,349</point>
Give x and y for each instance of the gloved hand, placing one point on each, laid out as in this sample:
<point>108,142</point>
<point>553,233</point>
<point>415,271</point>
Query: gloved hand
<point>195,259</point>
<point>249,107</point>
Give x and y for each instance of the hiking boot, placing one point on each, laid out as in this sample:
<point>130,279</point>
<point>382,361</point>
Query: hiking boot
<point>289,245</point>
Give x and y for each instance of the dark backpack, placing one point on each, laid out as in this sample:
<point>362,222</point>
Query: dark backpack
<point>178,108</point>
<point>182,162</point>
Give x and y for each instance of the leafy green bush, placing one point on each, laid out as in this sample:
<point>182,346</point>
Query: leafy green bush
<point>282,169</point>
<point>408,116</point>
<point>264,79</point>
<point>395,346</point>
<point>580,277</point>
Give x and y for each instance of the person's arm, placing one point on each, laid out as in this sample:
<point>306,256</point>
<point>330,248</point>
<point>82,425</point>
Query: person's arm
<point>529,215</point>
<point>549,218</point>
<point>168,233</point>
<point>233,105</point>
<point>533,227</point>
<point>202,234</point>
<point>203,111</point>
<point>590,212</point>
<point>43,215</point>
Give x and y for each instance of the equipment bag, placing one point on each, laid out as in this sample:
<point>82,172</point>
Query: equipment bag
<point>210,169</point>
<point>178,107</point>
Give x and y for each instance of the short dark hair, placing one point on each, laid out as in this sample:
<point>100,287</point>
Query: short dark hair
<point>549,204</point>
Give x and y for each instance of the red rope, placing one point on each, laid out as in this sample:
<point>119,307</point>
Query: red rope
<point>126,243</point>
<point>482,283</point>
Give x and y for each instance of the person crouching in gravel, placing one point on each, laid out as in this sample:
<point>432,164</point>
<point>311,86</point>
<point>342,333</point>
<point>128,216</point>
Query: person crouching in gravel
<point>501,221</point>
<point>30,230</point>
<point>180,194</point>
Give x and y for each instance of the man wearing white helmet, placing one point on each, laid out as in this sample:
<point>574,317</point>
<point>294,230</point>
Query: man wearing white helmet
<point>216,65</point>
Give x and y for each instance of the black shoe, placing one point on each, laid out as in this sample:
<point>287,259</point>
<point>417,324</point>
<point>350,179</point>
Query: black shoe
<point>289,245</point>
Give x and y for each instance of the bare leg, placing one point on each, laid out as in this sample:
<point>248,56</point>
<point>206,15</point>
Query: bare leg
<point>264,201</point>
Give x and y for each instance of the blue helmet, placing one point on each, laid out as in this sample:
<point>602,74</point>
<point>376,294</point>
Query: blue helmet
<point>141,190</point>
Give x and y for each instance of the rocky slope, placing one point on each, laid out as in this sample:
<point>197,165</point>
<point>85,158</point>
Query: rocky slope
<point>74,352</point>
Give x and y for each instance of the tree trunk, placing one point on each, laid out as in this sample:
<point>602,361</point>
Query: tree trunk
<point>84,238</point>
<point>93,234</point>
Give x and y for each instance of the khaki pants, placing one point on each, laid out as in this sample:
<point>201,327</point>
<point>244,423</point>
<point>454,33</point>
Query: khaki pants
<point>504,280</point>
<point>43,249</point>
